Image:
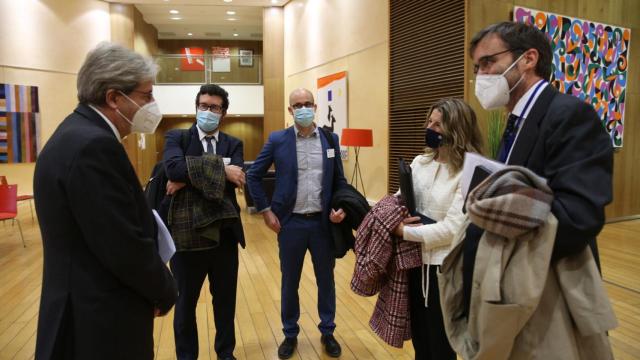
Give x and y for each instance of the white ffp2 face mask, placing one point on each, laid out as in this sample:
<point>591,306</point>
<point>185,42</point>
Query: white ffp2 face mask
<point>493,91</point>
<point>146,119</point>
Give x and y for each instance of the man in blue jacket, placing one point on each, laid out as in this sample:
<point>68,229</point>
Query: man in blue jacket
<point>308,171</point>
<point>196,255</point>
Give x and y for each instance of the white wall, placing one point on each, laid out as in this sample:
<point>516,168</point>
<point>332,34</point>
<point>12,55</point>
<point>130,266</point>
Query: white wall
<point>245,100</point>
<point>43,43</point>
<point>51,35</point>
<point>323,37</point>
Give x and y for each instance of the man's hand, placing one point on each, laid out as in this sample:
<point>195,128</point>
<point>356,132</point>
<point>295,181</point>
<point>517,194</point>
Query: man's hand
<point>271,220</point>
<point>410,221</point>
<point>235,175</point>
<point>173,187</point>
<point>336,217</point>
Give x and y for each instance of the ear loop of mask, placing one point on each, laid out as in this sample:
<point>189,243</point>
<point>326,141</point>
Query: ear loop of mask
<point>509,69</point>
<point>121,114</point>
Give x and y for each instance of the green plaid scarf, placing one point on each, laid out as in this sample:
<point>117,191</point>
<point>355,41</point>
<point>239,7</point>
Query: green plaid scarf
<point>197,212</point>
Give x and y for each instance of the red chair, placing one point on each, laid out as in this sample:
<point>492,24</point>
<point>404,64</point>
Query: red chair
<point>9,206</point>
<point>3,181</point>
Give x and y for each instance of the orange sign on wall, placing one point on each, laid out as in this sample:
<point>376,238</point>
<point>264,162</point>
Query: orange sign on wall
<point>192,60</point>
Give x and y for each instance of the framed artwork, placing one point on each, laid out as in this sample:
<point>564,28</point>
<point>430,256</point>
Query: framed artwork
<point>192,59</point>
<point>246,57</point>
<point>221,59</point>
<point>332,104</point>
<point>590,62</point>
<point>19,124</point>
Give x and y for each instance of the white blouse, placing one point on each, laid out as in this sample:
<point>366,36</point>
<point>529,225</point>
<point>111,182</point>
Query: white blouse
<point>438,197</point>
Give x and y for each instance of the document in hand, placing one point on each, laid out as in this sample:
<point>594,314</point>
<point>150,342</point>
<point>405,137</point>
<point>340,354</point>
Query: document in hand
<point>166,246</point>
<point>476,168</point>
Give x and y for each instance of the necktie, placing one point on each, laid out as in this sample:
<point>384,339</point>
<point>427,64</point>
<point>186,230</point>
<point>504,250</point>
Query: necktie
<point>508,138</point>
<point>209,144</point>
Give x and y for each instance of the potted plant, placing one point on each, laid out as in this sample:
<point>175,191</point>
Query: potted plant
<point>494,132</point>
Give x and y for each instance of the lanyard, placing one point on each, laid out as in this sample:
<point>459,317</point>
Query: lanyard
<point>521,118</point>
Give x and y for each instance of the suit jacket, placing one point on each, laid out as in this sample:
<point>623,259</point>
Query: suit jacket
<point>280,150</point>
<point>176,165</point>
<point>102,272</point>
<point>563,140</point>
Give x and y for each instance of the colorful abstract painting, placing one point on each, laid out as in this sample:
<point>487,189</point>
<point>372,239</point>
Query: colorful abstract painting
<point>590,61</point>
<point>19,123</point>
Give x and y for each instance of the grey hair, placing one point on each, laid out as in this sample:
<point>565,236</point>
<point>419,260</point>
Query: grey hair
<point>112,66</point>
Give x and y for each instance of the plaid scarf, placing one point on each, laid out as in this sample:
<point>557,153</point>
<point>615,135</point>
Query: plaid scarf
<point>511,202</point>
<point>197,212</point>
<point>381,266</point>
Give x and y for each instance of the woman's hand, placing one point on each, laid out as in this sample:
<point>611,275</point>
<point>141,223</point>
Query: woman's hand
<point>409,221</point>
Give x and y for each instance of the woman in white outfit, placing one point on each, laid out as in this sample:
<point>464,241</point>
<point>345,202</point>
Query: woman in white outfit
<point>451,130</point>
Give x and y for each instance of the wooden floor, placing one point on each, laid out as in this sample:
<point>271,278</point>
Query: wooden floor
<point>258,316</point>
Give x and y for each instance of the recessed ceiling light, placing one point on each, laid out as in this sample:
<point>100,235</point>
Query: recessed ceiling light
<point>274,1</point>
<point>174,12</point>
<point>228,1</point>
<point>231,19</point>
<point>176,18</point>
<point>231,12</point>
<point>235,34</point>
<point>190,34</point>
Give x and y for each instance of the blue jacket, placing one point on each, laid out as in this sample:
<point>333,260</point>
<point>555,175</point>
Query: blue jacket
<point>280,150</point>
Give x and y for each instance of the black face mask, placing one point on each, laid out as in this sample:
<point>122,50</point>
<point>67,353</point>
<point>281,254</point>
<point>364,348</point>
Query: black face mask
<point>432,138</point>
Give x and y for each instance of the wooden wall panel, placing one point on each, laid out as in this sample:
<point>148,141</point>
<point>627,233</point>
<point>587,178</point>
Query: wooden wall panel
<point>427,42</point>
<point>247,129</point>
<point>273,75</point>
<point>122,32</point>
<point>626,13</point>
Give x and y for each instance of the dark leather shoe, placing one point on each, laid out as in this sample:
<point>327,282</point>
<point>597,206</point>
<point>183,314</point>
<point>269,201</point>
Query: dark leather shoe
<point>230,357</point>
<point>331,345</point>
<point>288,346</point>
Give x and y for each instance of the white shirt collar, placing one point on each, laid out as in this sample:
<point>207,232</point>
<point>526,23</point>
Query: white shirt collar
<point>113,127</point>
<point>202,134</point>
<point>517,110</point>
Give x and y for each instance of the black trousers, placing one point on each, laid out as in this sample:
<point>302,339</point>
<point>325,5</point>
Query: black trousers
<point>427,327</point>
<point>189,269</point>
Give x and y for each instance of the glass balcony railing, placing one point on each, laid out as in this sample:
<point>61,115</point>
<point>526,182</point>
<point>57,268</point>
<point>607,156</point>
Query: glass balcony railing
<point>233,69</point>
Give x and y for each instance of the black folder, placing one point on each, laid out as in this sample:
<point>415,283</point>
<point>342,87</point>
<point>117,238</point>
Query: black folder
<point>406,192</point>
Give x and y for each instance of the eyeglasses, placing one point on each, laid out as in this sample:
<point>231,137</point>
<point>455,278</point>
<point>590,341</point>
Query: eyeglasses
<point>488,60</point>
<point>148,95</point>
<point>308,104</point>
<point>213,107</point>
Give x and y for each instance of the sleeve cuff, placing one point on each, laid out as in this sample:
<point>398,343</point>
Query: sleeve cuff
<point>411,233</point>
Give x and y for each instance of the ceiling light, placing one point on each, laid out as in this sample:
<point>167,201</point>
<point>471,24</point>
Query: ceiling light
<point>190,34</point>
<point>235,34</point>
<point>231,19</point>
<point>174,12</point>
<point>274,1</point>
<point>228,1</point>
<point>176,18</point>
<point>231,12</point>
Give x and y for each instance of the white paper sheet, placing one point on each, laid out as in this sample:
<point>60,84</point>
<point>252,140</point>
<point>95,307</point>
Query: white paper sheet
<point>166,247</point>
<point>471,160</point>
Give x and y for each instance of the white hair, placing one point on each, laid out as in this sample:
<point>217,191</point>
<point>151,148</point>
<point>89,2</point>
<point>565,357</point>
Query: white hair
<point>112,66</point>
